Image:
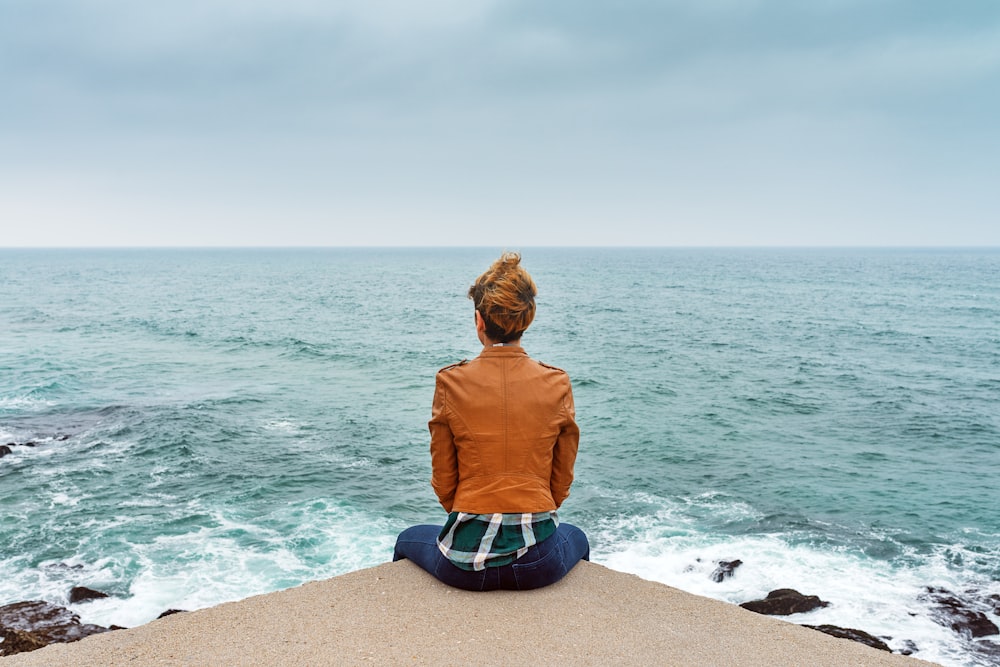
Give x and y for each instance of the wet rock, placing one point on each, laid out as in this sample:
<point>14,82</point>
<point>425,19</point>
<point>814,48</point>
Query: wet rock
<point>783,602</point>
<point>18,641</point>
<point>961,615</point>
<point>8,448</point>
<point>909,647</point>
<point>82,594</point>
<point>853,635</point>
<point>725,569</point>
<point>46,622</point>
<point>171,611</point>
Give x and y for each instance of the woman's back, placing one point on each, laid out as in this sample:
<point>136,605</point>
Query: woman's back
<point>511,422</point>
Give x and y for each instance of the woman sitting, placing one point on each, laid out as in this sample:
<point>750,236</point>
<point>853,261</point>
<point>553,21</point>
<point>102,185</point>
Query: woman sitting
<point>503,444</point>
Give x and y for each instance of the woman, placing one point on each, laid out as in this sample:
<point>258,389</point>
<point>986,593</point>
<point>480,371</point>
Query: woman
<point>503,444</point>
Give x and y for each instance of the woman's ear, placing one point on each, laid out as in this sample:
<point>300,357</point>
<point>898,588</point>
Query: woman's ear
<point>480,323</point>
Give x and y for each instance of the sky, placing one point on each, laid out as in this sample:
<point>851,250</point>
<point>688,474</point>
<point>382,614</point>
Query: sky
<point>499,123</point>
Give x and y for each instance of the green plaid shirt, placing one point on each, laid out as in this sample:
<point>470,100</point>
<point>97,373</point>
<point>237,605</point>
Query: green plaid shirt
<point>478,541</point>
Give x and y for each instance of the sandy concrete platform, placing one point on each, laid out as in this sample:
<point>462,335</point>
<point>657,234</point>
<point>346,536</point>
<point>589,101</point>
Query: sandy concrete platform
<point>396,614</point>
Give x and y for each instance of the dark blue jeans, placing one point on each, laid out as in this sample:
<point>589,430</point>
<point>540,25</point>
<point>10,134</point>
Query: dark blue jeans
<point>543,564</point>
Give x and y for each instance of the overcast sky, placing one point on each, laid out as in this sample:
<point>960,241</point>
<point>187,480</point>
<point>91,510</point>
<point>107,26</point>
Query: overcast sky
<point>519,123</point>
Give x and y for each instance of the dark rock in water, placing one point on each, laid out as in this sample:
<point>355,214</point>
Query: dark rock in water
<point>45,622</point>
<point>784,601</point>
<point>725,569</point>
<point>909,647</point>
<point>853,635</point>
<point>6,449</point>
<point>82,593</point>
<point>171,611</point>
<point>960,615</point>
<point>18,641</point>
<point>978,625</point>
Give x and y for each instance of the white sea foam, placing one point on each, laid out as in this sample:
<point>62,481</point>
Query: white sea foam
<point>63,498</point>
<point>233,559</point>
<point>878,597</point>
<point>149,500</point>
<point>282,425</point>
<point>24,403</point>
<point>363,462</point>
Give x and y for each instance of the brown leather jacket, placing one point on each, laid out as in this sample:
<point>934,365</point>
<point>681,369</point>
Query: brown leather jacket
<point>503,434</point>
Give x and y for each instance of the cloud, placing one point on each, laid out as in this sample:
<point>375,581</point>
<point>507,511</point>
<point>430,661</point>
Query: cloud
<point>514,113</point>
<point>164,63</point>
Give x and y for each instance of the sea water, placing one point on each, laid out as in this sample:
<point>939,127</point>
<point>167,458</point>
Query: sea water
<point>213,424</point>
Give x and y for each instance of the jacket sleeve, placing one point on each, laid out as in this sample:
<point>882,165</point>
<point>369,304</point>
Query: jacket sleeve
<point>444,458</point>
<point>564,452</point>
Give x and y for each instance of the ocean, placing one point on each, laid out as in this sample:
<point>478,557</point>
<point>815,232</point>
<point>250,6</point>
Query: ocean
<point>216,423</point>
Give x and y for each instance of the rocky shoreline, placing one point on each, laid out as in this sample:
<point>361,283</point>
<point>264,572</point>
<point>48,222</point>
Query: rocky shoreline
<point>964,613</point>
<point>380,615</point>
<point>29,625</point>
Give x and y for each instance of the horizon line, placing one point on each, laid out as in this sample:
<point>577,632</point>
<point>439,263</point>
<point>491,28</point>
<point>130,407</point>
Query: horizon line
<point>540,246</point>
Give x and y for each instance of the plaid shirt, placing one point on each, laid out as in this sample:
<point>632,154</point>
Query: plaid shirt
<point>478,541</point>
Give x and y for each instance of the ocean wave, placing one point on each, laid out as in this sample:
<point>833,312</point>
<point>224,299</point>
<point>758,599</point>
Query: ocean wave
<point>163,328</point>
<point>208,558</point>
<point>25,403</point>
<point>885,598</point>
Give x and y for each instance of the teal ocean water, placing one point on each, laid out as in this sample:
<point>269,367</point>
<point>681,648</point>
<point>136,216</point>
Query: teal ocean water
<point>212,424</point>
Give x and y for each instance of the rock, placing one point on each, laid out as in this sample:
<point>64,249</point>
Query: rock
<point>18,641</point>
<point>6,449</point>
<point>725,569</point>
<point>46,622</point>
<point>784,601</point>
<point>959,615</point>
<point>171,611</point>
<point>909,647</point>
<point>853,635</point>
<point>82,594</point>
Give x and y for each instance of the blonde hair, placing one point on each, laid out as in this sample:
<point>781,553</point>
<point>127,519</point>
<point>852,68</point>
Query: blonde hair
<point>505,296</point>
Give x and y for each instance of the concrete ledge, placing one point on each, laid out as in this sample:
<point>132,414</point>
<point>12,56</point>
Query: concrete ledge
<point>396,614</point>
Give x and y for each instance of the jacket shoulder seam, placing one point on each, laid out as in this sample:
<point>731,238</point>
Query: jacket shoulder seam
<point>455,365</point>
<point>549,366</point>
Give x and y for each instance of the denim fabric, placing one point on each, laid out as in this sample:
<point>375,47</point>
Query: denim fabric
<point>543,564</point>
